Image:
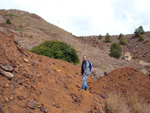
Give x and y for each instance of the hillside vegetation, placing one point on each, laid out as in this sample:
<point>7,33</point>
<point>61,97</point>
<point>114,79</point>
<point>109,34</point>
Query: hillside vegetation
<point>30,30</point>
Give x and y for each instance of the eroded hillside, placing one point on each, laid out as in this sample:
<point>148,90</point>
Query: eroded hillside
<point>41,84</point>
<point>30,30</point>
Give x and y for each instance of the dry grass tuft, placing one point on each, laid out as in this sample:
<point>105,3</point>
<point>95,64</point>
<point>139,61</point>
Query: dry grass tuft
<point>116,103</point>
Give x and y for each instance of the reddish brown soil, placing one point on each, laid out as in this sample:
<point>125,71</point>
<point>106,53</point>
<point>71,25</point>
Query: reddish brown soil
<point>126,81</point>
<point>53,84</point>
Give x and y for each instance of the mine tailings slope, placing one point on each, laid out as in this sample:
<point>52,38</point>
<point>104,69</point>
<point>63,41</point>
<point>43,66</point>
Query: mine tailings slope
<point>42,84</point>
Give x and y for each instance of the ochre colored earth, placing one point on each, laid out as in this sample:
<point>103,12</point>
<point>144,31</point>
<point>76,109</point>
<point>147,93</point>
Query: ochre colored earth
<point>42,84</point>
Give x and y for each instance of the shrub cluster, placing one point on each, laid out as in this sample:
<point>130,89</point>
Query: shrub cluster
<point>57,50</point>
<point>123,41</point>
<point>107,38</point>
<point>141,38</point>
<point>115,50</point>
<point>8,21</point>
<point>139,31</point>
<point>100,36</point>
<point>121,35</point>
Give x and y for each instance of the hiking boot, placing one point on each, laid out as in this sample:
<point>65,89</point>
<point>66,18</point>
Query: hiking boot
<point>81,89</point>
<point>86,89</point>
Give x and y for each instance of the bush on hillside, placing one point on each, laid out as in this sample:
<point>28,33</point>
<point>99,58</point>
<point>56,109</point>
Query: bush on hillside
<point>121,35</point>
<point>107,38</point>
<point>115,53</point>
<point>115,46</point>
<point>141,38</point>
<point>8,21</point>
<point>147,41</point>
<point>57,50</point>
<point>115,50</point>
<point>139,31</point>
<point>123,41</point>
<point>100,36</point>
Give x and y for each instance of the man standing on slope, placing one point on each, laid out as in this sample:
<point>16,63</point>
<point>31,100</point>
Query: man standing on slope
<point>85,71</point>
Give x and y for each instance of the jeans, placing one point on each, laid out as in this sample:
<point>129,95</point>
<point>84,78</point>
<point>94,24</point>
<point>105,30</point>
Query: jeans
<point>84,86</point>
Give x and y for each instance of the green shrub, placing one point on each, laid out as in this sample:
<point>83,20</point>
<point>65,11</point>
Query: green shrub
<point>115,50</point>
<point>115,53</point>
<point>19,29</point>
<point>123,41</point>
<point>141,38</point>
<point>147,41</point>
<point>139,31</point>
<point>107,38</point>
<point>100,36</point>
<point>121,35</point>
<point>115,46</point>
<point>8,21</point>
<point>10,14</point>
<point>134,58</point>
<point>57,50</point>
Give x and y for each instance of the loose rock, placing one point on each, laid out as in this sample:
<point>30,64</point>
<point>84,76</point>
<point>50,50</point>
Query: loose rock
<point>6,67</point>
<point>31,104</point>
<point>102,95</point>
<point>26,60</point>
<point>8,74</point>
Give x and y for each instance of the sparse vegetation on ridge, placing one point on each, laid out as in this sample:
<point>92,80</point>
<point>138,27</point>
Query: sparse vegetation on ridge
<point>107,38</point>
<point>139,31</point>
<point>10,14</point>
<point>121,35</point>
<point>100,36</point>
<point>123,41</point>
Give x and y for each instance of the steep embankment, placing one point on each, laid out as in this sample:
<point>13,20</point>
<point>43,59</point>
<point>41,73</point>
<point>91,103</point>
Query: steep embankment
<point>42,84</point>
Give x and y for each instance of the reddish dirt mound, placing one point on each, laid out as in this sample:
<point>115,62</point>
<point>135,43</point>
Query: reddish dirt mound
<point>42,84</point>
<point>125,81</point>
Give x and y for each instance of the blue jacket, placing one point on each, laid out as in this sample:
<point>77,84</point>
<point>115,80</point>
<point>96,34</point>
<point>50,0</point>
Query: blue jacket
<point>85,67</point>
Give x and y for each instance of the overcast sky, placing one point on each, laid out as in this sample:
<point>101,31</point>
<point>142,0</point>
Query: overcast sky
<point>88,17</point>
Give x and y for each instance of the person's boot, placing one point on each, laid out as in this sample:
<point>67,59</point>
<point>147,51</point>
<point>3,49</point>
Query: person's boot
<point>86,89</point>
<point>81,89</point>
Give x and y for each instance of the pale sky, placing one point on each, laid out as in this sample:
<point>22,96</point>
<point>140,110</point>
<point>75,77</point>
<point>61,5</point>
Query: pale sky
<point>88,17</point>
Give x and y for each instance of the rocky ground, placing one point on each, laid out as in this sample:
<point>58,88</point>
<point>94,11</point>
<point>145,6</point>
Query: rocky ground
<point>31,83</point>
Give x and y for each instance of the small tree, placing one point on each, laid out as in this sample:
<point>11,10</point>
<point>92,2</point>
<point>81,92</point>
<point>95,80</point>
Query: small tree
<point>123,41</point>
<point>121,35</point>
<point>139,31</point>
<point>107,38</point>
<point>115,46</point>
<point>115,53</point>
<point>115,50</point>
<point>100,36</point>
<point>141,38</point>
<point>8,21</point>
